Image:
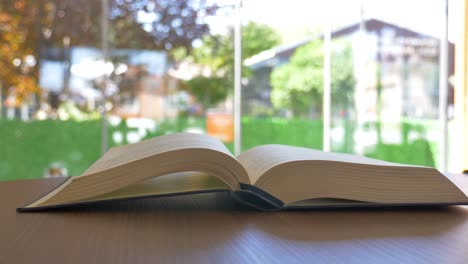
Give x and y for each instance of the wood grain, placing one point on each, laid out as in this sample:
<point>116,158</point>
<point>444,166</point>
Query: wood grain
<point>212,228</point>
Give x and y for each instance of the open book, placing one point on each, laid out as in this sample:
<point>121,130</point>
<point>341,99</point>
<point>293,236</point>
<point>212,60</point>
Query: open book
<point>268,177</point>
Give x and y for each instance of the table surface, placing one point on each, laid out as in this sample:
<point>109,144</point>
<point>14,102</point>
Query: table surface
<point>212,228</point>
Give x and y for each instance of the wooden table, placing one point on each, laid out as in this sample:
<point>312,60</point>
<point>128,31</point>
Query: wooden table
<point>212,228</point>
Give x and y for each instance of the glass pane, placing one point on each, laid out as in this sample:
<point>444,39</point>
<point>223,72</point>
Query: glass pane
<point>55,81</point>
<point>175,74</point>
<point>49,125</point>
<point>170,68</point>
<point>394,61</point>
<point>385,78</point>
<point>282,77</point>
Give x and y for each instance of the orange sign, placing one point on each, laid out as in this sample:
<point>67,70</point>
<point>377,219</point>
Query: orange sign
<point>220,126</point>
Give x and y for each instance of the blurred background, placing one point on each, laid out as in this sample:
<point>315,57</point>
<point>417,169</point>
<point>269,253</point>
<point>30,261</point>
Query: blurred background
<point>384,79</point>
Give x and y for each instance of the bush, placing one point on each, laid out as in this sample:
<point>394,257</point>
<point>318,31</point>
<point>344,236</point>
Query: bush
<point>27,149</point>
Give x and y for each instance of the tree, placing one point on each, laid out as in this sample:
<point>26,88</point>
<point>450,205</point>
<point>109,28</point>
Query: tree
<point>217,54</point>
<point>208,90</point>
<point>298,84</point>
<point>159,24</point>
<point>30,28</point>
<point>17,45</point>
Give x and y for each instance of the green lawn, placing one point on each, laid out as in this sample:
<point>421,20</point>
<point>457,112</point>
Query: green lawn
<point>28,148</point>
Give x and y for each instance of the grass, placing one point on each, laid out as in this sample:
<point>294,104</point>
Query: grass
<point>28,148</point>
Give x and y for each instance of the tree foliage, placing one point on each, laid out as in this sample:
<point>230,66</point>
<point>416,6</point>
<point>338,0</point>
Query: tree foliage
<point>217,51</point>
<point>215,85</point>
<point>18,36</point>
<point>298,84</point>
<point>217,54</point>
<point>32,27</point>
<point>159,24</point>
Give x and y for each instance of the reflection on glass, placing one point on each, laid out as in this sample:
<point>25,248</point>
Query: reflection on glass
<point>170,68</point>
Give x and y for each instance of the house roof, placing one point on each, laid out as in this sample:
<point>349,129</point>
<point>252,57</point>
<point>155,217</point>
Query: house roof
<point>371,25</point>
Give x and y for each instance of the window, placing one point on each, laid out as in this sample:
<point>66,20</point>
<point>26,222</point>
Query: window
<point>75,73</point>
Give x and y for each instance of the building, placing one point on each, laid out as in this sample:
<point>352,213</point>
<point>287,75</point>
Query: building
<point>404,63</point>
<point>138,85</point>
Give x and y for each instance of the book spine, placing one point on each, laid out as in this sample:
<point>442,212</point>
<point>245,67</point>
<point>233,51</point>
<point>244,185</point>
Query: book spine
<point>256,198</point>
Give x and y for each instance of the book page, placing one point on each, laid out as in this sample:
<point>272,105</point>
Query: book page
<point>124,166</point>
<point>294,174</point>
<point>125,154</point>
<point>260,159</point>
